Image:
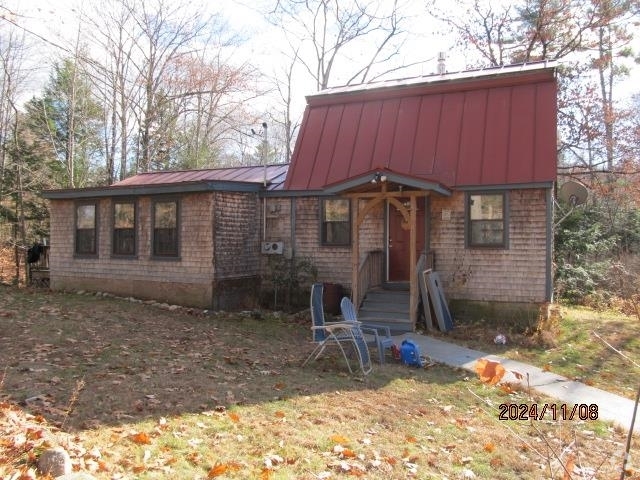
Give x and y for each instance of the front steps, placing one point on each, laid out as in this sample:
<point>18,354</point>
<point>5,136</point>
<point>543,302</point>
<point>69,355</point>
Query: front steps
<point>387,307</point>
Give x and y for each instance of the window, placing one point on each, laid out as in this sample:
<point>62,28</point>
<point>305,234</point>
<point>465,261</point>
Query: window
<point>86,222</point>
<point>486,220</point>
<point>165,228</point>
<point>124,228</point>
<point>336,222</point>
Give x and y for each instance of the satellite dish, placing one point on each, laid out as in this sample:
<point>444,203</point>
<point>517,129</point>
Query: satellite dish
<point>573,193</point>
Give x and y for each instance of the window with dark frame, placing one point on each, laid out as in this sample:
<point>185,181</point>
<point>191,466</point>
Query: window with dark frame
<point>86,223</point>
<point>124,228</point>
<point>486,220</point>
<point>165,228</point>
<point>336,222</point>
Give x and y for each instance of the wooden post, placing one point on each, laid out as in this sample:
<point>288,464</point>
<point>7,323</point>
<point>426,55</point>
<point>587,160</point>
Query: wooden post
<point>355,251</point>
<point>413,279</point>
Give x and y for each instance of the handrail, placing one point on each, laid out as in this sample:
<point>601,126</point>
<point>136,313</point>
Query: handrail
<point>369,274</point>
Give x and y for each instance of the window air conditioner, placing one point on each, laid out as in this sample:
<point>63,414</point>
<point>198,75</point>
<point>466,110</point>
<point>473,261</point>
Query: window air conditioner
<point>273,247</point>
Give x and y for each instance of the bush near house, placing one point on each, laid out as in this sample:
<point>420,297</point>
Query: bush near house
<point>596,253</point>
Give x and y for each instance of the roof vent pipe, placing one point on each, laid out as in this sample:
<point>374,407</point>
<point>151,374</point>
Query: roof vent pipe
<point>442,68</point>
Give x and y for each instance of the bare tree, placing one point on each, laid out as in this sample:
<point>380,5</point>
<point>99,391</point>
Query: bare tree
<point>362,36</point>
<point>113,33</point>
<point>284,85</point>
<point>211,95</point>
<point>591,38</point>
<point>13,75</point>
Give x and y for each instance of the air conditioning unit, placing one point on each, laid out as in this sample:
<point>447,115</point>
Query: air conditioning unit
<point>273,247</point>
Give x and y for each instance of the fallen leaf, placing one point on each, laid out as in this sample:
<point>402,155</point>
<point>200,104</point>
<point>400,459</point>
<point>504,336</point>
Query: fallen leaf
<point>489,371</point>
<point>339,439</point>
<point>506,388</point>
<point>467,474</point>
<point>569,466</point>
<point>217,470</point>
<point>265,474</point>
<point>235,418</point>
<point>346,453</point>
<point>272,460</point>
<point>141,438</point>
<point>279,414</point>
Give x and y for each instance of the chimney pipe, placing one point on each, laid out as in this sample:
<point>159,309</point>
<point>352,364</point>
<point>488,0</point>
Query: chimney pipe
<point>442,68</point>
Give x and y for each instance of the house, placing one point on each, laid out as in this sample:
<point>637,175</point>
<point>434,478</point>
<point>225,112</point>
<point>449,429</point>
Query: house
<point>460,167</point>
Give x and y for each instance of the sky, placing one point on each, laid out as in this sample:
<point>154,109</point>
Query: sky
<point>56,22</point>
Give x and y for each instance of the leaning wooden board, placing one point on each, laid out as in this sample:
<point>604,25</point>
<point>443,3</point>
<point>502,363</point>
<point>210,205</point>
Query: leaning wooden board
<point>424,293</point>
<point>440,306</point>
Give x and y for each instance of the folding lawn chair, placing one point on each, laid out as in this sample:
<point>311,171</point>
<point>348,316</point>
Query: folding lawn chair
<point>336,333</point>
<point>381,335</point>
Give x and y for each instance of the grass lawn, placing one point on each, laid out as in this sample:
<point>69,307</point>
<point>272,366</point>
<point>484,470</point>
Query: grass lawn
<point>133,391</point>
<point>576,349</point>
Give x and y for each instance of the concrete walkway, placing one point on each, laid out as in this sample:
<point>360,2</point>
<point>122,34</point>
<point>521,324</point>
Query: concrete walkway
<point>611,407</point>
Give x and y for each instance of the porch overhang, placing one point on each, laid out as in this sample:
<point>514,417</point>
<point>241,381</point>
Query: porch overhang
<point>374,188</point>
<point>370,182</point>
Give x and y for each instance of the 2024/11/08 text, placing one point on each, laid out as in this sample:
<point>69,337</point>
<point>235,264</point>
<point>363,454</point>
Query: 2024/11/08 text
<point>563,411</point>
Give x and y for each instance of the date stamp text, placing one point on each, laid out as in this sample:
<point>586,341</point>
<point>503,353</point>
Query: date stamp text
<point>548,411</point>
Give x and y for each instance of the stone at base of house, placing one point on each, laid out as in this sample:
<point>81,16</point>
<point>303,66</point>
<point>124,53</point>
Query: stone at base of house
<point>229,294</point>
<point>515,316</point>
<point>186,294</point>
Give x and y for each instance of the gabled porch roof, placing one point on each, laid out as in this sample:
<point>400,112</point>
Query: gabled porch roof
<point>394,181</point>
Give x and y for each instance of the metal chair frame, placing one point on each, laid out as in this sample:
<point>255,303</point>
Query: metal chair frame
<point>336,333</point>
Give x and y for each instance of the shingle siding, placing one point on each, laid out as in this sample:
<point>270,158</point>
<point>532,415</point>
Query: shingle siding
<point>237,224</point>
<point>186,280</point>
<point>220,263</point>
<point>515,274</point>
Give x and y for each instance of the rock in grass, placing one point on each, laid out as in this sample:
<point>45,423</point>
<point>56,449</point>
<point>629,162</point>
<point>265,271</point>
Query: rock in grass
<point>55,462</point>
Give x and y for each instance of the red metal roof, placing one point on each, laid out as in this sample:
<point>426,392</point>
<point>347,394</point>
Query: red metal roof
<point>482,128</point>
<point>275,175</point>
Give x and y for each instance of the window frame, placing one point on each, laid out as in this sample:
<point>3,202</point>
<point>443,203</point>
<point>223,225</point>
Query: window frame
<point>96,223</point>
<point>124,201</point>
<point>154,254</point>
<point>504,244</point>
<point>323,223</point>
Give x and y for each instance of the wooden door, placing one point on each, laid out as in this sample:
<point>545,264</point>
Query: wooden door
<point>398,241</point>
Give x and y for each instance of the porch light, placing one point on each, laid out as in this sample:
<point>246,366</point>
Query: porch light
<point>378,177</point>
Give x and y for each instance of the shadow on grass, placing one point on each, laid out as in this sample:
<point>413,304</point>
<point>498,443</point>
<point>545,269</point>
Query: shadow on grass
<point>83,361</point>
